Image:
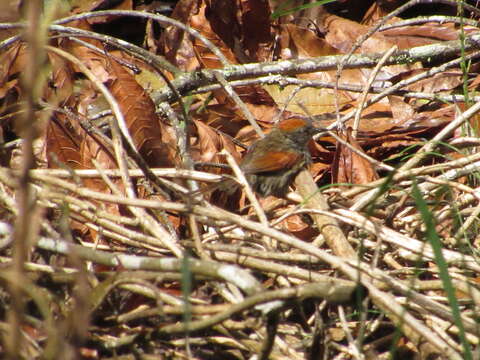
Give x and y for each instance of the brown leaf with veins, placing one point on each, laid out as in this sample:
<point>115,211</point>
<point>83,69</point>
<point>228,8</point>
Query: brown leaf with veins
<point>63,142</point>
<point>411,35</point>
<point>349,167</point>
<point>444,81</point>
<point>300,43</point>
<point>342,34</point>
<point>142,121</point>
<point>241,27</point>
<point>374,13</point>
<point>206,27</point>
<point>228,25</point>
<point>407,37</point>
<point>209,143</point>
<point>94,60</point>
<point>401,111</point>
<point>12,62</point>
<point>297,226</point>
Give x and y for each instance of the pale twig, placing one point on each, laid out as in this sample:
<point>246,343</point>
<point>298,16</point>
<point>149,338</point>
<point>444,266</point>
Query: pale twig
<point>241,278</point>
<point>452,169</point>
<point>290,98</point>
<point>371,79</point>
<point>417,247</point>
<point>156,61</point>
<point>247,251</point>
<point>352,344</point>
<point>156,17</point>
<point>428,73</point>
<point>330,290</point>
<point>465,167</point>
<point>419,20</point>
<point>284,81</point>
<point>467,223</point>
<point>248,190</point>
<point>120,127</point>
<point>162,172</point>
<point>358,43</point>
<point>183,146</point>
<point>244,183</point>
<point>292,271</point>
<point>327,225</point>
<point>241,105</point>
<point>101,221</point>
<point>371,160</point>
<point>434,142</point>
<point>29,215</point>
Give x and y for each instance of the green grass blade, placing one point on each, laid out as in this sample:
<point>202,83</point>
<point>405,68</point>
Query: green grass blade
<point>434,240</point>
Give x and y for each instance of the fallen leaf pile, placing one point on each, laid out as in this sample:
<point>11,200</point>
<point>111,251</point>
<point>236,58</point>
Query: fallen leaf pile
<point>117,119</point>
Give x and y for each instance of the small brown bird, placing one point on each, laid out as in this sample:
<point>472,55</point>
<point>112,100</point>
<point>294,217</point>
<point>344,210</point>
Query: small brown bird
<point>272,163</point>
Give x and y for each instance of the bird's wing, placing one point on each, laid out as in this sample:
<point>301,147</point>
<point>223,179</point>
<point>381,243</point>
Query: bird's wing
<point>272,161</point>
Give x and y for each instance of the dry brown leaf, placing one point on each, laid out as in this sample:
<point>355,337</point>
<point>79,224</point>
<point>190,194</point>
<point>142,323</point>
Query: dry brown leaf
<point>92,146</point>
<point>95,61</point>
<point>10,11</point>
<point>342,34</point>
<point>349,167</point>
<point>63,142</point>
<point>386,145</point>
<point>209,143</point>
<point>91,5</point>
<point>296,226</point>
<point>444,81</point>
<point>60,87</point>
<point>208,28</point>
<point>12,62</point>
<point>7,86</point>
<point>411,36</point>
<point>256,98</point>
<point>434,118</point>
<point>142,121</point>
<point>256,35</point>
<point>376,118</point>
<point>301,43</point>
<point>177,45</point>
<point>401,111</point>
<point>375,13</point>
<point>223,118</point>
<point>304,43</point>
<point>230,29</point>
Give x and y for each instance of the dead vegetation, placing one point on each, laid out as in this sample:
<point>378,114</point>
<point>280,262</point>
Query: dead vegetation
<point>116,117</point>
